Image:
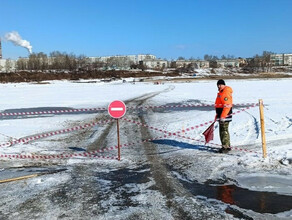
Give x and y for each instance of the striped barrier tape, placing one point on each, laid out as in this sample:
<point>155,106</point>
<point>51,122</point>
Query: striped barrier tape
<point>59,156</point>
<point>25,140</point>
<point>187,129</point>
<point>210,122</point>
<point>185,137</point>
<point>191,128</point>
<point>53,112</point>
<point>53,133</point>
<point>104,109</point>
<point>191,105</point>
<point>109,148</point>
<point>87,154</point>
<point>92,154</point>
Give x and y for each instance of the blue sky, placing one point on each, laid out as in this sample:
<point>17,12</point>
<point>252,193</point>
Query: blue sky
<point>165,28</point>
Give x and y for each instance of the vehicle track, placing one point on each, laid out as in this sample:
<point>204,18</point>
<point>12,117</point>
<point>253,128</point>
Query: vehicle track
<point>165,182</point>
<point>84,195</point>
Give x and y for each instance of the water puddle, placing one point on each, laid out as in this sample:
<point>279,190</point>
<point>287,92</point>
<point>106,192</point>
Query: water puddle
<point>123,182</point>
<point>281,184</point>
<point>261,202</point>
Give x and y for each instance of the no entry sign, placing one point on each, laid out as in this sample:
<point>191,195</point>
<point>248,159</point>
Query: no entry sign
<point>117,109</point>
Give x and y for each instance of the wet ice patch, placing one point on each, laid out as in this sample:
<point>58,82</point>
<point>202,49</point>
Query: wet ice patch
<point>285,215</point>
<point>266,182</point>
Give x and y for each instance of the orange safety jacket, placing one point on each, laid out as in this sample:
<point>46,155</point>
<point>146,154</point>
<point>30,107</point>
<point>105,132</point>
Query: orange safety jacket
<point>223,104</point>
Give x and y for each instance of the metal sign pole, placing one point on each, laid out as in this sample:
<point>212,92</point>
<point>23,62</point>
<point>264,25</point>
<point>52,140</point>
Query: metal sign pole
<point>118,133</point>
<point>117,109</point>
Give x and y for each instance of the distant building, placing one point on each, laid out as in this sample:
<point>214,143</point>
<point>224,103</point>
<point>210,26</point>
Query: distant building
<point>2,64</point>
<point>195,63</point>
<point>281,59</point>
<point>133,58</point>
<point>155,63</point>
<point>201,63</point>
<point>225,63</point>
<point>182,63</point>
<point>7,65</point>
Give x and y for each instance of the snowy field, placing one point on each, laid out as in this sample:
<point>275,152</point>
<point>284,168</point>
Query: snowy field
<point>186,160</point>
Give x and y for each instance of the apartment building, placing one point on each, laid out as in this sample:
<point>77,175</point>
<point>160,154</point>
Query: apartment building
<point>284,59</point>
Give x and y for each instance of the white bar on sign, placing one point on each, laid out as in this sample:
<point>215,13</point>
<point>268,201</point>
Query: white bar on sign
<point>117,109</point>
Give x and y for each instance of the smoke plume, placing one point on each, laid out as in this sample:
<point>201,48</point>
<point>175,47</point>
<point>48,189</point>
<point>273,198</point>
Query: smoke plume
<point>15,38</point>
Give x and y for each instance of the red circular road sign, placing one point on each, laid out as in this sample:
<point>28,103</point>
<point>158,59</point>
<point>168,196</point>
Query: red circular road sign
<point>117,109</point>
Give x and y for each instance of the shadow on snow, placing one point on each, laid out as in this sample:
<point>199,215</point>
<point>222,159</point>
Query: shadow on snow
<point>183,145</point>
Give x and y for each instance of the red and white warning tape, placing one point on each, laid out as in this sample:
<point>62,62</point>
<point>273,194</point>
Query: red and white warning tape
<point>53,112</point>
<point>64,155</point>
<point>188,129</point>
<point>191,105</point>
<point>185,137</point>
<point>104,109</point>
<point>93,153</point>
<point>25,140</point>
<point>59,156</point>
<point>210,122</point>
<point>178,132</point>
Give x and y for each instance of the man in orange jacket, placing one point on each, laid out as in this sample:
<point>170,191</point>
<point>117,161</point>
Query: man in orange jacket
<point>223,106</point>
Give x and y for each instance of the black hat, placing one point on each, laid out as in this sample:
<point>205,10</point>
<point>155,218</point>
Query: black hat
<point>220,82</point>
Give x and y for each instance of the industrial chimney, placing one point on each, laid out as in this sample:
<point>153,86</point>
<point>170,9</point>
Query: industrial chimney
<point>0,50</point>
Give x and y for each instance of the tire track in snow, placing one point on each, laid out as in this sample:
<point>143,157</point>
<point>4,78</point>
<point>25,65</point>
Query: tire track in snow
<point>167,184</point>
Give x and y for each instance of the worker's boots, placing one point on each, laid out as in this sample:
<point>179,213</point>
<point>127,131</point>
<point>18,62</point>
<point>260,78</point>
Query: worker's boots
<point>224,150</point>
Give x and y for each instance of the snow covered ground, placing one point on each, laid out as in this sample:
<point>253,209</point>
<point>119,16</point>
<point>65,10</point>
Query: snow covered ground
<point>188,160</point>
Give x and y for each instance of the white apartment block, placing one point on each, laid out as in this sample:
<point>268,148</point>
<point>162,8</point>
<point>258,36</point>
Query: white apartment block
<point>228,63</point>
<point>196,63</point>
<point>134,58</point>
<point>284,59</point>
<point>7,65</point>
<point>155,63</point>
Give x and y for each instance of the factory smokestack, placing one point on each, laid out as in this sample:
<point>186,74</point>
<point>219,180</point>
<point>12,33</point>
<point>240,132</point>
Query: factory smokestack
<point>16,39</point>
<point>0,50</point>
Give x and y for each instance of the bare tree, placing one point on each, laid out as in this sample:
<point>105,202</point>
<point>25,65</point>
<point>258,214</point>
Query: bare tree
<point>210,57</point>
<point>82,62</point>
<point>56,60</point>
<point>266,57</point>
<point>43,61</point>
<point>119,62</point>
<point>21,64</point>
<point>173,64</point>
<point>33,62</point>
<point>8,65</point>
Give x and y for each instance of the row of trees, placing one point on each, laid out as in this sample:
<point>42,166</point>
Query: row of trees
<point>58,61</point>
<point>260,63</point>
<point>208,57</point>
<point>62,61</point>
<point>265,55</point>
<point>55,61</point>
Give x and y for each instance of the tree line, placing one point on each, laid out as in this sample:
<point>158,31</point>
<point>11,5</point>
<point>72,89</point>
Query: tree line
<point>55,61</point>
<point>61,61</point>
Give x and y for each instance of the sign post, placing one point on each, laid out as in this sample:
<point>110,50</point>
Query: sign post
<point>117,109</point>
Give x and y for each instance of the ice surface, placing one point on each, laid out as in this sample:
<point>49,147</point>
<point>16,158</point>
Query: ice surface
<point>247,170</point>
